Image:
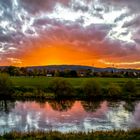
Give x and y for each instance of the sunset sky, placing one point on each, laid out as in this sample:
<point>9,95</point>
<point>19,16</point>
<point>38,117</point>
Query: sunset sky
<point>102,33</point>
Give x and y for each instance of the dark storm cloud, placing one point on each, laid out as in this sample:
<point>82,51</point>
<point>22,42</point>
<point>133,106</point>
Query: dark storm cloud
<point>6,4</point>
<point>135,22</point>
<point>78,7</point>
<point>35,6</point>
<point>132,4</point>
<point>5,9</point>
<point>121,17</point>
<point>74,32</point>
<point>137,40</point>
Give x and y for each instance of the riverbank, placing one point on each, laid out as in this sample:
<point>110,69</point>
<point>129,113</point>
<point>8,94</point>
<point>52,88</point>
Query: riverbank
<point>76,88</point>
<point>72,88</point>
<point>98,135</point>
<point>51,96</point>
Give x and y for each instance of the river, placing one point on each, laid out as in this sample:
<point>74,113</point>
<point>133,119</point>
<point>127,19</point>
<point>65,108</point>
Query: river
<point>67,115</point>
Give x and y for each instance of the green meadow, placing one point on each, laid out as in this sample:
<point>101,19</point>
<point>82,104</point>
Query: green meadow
<point>43,82</point>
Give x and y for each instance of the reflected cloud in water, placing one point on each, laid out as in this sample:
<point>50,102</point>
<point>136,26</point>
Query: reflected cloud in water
<point>68,115</point>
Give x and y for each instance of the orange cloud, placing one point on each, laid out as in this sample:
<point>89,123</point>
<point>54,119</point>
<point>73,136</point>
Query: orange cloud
<point>56,54</point>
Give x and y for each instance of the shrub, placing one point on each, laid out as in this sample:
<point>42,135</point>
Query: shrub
<point>130,87</point>
<point>61,87</point>
<point>91,88</point>
<point>114,90</point>
<point>5,84</point>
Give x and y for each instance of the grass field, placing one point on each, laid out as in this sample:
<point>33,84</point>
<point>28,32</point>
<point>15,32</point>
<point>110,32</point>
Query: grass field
<point>76,82</point>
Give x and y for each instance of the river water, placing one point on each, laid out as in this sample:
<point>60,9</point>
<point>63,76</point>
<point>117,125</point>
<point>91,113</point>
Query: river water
<point>67,115</point>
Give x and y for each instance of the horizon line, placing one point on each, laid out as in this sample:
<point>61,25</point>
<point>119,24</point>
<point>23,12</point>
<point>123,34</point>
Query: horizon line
<point>68,65</point>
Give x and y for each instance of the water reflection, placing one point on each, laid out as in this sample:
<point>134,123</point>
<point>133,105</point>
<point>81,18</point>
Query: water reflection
<point>135,122</point>
<point>67,115</point>
<point>130,106</point>
<point>91,106</point>
<point>6,106</point>
<point>61,105</point>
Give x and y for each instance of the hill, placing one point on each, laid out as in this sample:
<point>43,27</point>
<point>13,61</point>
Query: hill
<point>80,67</point>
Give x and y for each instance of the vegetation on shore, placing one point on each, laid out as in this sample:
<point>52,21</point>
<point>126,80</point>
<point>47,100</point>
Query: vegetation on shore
<point>6,84</point>
<point>97,135</point>
<point>78,88</point>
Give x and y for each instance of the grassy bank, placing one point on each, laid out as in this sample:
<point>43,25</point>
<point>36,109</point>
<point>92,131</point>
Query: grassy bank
<point>76,88</point>
<point>98,135</point>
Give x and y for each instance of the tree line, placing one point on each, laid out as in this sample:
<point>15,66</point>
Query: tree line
<point>23,71</point>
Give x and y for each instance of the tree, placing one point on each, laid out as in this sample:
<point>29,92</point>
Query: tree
<point>91,88</point>
<point>73,73</point>
<point>130,87</point>
<point>35,72</point>
<point>12,71</point>
<point>89,73</point>
<point>114,90</point>
<point>61,87</point>
<point>5,84</point>
<point>70,73</point>
<point>23,71</point>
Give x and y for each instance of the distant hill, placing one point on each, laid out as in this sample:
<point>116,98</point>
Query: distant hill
<point>78,67</point>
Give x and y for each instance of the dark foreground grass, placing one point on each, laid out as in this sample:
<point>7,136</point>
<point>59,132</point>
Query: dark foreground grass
<point>98,135</point>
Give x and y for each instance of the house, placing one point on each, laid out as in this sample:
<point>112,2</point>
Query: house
<point>49,75</point>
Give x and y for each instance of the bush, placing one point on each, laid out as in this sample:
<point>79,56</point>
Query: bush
<point>114,90</point>
<point>5,84</point>
<point>91,88</point>
<point>130,87</point>
<point>61,87</point>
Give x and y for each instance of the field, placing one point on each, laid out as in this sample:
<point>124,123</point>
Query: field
<point>76,82</point>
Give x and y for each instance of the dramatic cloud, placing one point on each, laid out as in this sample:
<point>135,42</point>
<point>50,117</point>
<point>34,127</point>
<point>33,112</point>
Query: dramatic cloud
<point>99,32</point>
